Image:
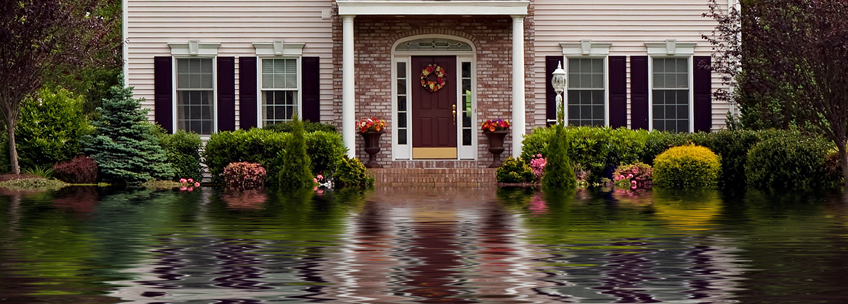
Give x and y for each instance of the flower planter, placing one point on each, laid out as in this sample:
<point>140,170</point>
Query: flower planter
<point>496,146</point>
<point>372,147</point>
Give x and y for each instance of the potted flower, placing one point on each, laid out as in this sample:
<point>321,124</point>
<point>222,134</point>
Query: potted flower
<point>495,131</point>
<point>371,129</point>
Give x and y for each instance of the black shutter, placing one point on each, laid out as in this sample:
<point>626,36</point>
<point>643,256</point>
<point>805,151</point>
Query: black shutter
<point>618,91</point>
<point>550,95</point>
<point>703,94</point>
<point>639,92</point>
<point>163,98</point>
<point>226,94</point>
<point>311,79</point>
<point>247,92</point>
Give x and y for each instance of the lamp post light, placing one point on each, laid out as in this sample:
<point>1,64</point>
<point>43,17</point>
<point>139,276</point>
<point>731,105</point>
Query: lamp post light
<point>558,82</point>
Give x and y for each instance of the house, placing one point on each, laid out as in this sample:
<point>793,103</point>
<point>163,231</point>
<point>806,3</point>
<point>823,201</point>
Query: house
<point>209,66</point>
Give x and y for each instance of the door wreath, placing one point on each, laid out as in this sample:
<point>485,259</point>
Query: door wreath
<point>441,78</point>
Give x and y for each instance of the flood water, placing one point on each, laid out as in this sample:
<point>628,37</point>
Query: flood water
<point>90,245</point>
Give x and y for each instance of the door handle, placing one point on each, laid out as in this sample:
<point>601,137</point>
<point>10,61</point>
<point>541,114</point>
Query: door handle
<point>454,113</point>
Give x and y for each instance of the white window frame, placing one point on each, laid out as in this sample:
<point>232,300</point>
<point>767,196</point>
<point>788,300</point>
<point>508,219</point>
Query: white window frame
<point>586,49</point>
<point>278,50</point>
<point>404,152</point>
<point>671,49</point>
<point>193,49</point>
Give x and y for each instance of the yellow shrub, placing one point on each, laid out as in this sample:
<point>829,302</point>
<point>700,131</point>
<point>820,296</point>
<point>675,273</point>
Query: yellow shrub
<point>686,167</point>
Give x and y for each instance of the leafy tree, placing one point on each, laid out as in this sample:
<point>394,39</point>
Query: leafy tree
<point>51,128</point>
<point>295,172</point>
<point>37,37</point>
<point>124,145</point>
<point>796,53</point>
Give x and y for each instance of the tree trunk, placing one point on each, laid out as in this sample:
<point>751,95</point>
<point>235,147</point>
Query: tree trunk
<point>844,156</point>
<point>13,150</point>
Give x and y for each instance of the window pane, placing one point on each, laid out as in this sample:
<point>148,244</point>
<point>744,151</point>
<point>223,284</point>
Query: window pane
<point>658,112</point>
<point>279,73</point>
<point>683,111</point>
<point>682,65</point>
<point>401,136</point>
<point>466,137</point>
<point>401,103</point>
<point>401,69</point>
<point>401,85</point>
<point>466,69</point>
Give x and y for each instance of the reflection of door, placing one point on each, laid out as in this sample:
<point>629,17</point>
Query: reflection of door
<point>434,113</point>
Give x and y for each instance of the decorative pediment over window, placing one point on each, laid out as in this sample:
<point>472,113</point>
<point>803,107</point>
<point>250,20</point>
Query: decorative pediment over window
<point>194,48</point>
<point>670,48</point>
<point>585,48</point>
<point>433,44</point>
<point>278,48</point>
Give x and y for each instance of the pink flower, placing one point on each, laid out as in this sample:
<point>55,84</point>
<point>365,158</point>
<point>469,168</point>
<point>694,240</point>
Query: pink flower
<point>190,181</point>
<point>190,189</point>
<point>196,184</point>
<point>320,177</point>
<point>617,178</point>
<point>630,176</point>
<point>633,182</point>
<point>183,180</point>
<point>315,189</point>
<point>620,177</point>
<point>315,180</point>
<point>183,188</point>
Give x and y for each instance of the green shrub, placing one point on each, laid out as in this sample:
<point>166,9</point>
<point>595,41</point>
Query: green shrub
<point>350,172</point>
<point>49,128</point>
<point>788,162</point>
<point>687,167</point>
<point>294,172</point>
<point>123,144</point>
<point>558,171</point>
<point>515,170</point>
<point>183,152</point>
<point>308,126</point>
<point>536,143</point>
<point>262,146</point>
<point>658,142</point>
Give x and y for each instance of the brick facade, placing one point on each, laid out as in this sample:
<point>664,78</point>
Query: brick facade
<point>492,38</point>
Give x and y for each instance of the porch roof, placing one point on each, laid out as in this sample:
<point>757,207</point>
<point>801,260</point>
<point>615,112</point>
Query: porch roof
<point>419,7</point>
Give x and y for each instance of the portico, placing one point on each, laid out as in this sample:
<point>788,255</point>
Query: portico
<point>476,81</point>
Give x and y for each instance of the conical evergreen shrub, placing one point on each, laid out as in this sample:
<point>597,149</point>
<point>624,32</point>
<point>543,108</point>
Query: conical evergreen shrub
<point>123,143</point>
<point>559,175</point>
<point>295,172</point>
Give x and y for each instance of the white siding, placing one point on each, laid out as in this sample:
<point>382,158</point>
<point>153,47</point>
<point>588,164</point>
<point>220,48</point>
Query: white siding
<point>236,24</point>
<point>627,25</point>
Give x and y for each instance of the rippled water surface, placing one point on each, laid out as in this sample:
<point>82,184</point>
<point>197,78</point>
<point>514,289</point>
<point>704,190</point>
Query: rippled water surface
<point>88,245</point>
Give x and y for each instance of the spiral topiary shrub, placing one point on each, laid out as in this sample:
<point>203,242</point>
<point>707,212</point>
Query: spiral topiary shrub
<point>515,170</point>
<point>788,162</point>
<point>687,167</point>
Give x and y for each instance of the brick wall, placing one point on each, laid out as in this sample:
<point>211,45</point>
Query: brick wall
<point>492,37</point>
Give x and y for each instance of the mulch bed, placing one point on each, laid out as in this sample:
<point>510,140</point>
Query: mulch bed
<point>7,177</point>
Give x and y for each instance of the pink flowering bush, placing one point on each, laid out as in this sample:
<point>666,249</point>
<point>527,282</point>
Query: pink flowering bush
<point>537,164</point>
<point>634,176</point>
<point>244,175</point>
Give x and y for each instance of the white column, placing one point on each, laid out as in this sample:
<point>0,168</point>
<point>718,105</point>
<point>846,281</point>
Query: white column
<point>348,89</point>
<point>518,123</point>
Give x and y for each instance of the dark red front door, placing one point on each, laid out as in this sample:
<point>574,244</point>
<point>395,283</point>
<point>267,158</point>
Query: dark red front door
<point>433,113</point>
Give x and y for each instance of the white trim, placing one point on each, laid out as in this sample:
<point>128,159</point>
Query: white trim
<point>691,77</point>
<point>404,152</point>
<point>260,97</point>
<point>125,49</point>
<point>278,48</point>
<point>670,47</point>
<point>585,48</point>
<point>518,74</point>
<point>174,98</point>
<point>404,7</point>
<point>194,48</point>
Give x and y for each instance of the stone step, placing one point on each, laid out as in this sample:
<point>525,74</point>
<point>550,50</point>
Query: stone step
<point>434,177</point>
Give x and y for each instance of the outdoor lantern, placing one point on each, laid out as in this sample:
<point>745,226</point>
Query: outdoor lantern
<point>558,82</point>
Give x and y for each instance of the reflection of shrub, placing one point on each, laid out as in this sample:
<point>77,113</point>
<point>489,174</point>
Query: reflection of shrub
<point>80,170</point>
<point>514,170</point>
<point>244,175</point>
<point>788,163</point>
<point>687,167</point>
<point>350,172</point>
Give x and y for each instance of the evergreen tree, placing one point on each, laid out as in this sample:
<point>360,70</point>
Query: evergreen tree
<point>123,145</point>
<point>559,175</point>
<point>295,172</point>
